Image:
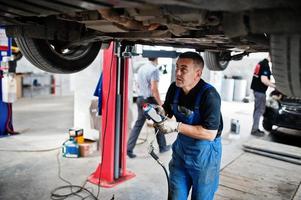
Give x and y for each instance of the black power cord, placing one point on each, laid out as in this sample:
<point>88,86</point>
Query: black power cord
<point>59,194</point>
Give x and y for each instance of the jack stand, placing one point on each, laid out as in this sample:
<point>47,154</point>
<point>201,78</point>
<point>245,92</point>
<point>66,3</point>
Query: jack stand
<point>112,169</point>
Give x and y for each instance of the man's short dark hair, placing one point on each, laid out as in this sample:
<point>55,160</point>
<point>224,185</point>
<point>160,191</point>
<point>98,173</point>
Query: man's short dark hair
<point>152,59</point>
<point>197,58</point>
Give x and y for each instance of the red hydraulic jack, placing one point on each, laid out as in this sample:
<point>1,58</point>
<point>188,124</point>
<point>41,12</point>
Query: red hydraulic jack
<point>112,169</point>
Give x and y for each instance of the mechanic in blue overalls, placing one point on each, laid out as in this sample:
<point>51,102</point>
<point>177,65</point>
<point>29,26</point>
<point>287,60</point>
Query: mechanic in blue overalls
<point>197,150</point>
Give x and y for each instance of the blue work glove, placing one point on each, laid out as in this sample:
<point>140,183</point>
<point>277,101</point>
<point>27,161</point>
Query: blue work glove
<point>166,128</point>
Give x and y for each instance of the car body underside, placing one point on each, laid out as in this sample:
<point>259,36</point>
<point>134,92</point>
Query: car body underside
<point>189,25</point>
<point>226,30</point>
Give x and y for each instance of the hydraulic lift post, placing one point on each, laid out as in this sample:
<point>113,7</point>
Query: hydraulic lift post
<point>6,125</point>
<point>112,169</point>
<point>118,117</point>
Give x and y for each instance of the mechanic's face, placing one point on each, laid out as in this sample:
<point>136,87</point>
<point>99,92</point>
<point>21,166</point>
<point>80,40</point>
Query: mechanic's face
<point>187,74</point>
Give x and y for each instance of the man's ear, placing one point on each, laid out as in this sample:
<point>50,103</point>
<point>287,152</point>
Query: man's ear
<point>199,72</point>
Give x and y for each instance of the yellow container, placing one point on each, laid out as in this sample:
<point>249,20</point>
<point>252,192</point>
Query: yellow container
<point>79,139</point>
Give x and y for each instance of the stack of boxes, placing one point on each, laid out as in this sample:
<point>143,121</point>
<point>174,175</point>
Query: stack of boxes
<point>77,146</point>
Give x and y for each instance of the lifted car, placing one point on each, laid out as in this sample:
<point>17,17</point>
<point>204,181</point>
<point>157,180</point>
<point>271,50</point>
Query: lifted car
<point>64,36</point>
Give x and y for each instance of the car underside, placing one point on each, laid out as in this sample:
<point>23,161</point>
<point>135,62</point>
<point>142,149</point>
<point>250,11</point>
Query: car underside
<point>64,36</point>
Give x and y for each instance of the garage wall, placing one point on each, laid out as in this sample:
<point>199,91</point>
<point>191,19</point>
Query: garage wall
<point>83,84</point>
<point>62,81</point>
<point>244,68</point>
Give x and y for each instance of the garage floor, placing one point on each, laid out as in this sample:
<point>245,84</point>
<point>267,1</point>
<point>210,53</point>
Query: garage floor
<point>29,167</point>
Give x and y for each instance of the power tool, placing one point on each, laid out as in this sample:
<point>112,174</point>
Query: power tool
<point>151,113</point>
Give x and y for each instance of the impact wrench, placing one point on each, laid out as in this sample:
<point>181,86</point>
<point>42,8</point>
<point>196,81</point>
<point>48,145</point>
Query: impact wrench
<point>151,113</point>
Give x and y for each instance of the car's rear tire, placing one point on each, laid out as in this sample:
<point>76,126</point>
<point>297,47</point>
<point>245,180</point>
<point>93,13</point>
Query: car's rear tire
<point>44,55</point>
<point>214,62</point>
<point>267,125</point>
<point>286,59</point>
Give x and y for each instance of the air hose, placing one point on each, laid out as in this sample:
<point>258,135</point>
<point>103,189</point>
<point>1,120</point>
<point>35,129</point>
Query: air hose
<point>157,159</point>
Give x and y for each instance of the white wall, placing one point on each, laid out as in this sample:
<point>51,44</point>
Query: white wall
<point>63,87</point>
<point>83,84</point>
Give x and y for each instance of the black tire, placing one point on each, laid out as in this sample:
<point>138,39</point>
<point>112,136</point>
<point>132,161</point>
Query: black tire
<point>213,61</point>
<point>267,125</point>
<point>43,55</point>
<point>286,59</point>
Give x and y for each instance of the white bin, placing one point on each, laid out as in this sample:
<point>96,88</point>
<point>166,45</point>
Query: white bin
<point>240,89</point>
<point>227,89</point>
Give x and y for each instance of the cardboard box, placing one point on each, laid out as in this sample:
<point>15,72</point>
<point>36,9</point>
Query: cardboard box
<point>87,148</point>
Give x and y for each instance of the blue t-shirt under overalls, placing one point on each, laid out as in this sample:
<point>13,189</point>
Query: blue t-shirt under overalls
<point>194,162</point>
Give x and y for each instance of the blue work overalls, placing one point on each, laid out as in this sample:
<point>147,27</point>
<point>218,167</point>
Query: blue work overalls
<point>195,163</point>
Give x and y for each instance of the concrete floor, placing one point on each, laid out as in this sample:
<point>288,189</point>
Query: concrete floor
<point>29,166</point>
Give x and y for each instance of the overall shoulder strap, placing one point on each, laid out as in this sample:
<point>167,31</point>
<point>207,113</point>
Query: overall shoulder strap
<point>176,96</point>
<point>200,94</point>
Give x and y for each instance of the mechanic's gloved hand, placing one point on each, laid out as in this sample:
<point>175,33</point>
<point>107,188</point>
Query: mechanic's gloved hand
<point>166,128</point>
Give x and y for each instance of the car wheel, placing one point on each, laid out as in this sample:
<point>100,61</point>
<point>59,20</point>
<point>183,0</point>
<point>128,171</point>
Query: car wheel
<point>267,125</point>
<point>214,61</point>
<point>286,59</point>
<point>48,56</point>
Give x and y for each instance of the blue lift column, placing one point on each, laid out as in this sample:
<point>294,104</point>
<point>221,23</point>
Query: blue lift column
<point>6,126</point>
